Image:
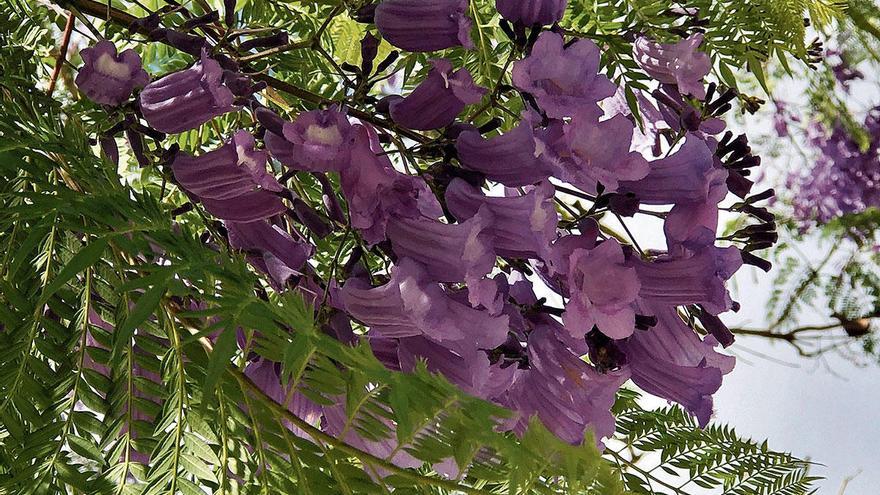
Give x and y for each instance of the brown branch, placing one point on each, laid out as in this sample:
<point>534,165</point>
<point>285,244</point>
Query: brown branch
<point>62,52</point>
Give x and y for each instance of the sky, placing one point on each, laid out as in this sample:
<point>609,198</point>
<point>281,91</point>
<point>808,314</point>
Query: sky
<point>827,412</point>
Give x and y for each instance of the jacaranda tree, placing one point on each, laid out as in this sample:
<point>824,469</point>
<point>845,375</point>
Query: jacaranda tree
<point>373,247</point>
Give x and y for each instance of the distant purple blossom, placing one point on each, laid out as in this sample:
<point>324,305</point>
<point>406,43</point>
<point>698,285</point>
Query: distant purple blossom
<point>844,179</point>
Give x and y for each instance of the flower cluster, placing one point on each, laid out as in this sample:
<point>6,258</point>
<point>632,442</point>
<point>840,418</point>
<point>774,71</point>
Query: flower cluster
<point>844,179</point>
<point>475,241</point>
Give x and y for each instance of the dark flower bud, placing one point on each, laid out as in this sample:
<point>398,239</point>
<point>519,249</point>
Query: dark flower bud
<point>716,328</point>
<point>229,12</point>
<point>625,205</point>
<point>365,14</point>
<point>202,20</point>
<point>270,120</point>
<point>390,59</point>
<point>769,193</point>
<point>369,50</point>
<point>761,263</point>
<point>109,148</point>
<point>187,43</point>
<point>329,198</point>
<point>278,39</point>
<point>738,184</point>
<point>761,213</point>
<point>311,219</point>
<point>645,322</point>
<point>135,141</point>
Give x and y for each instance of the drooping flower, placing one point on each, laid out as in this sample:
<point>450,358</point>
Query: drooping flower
<point>697,278</point>
<point>437,100</point>
<point>375,190</point>
<point>272,250</point>
<point>599,153</point>
<point>411,304</point>
<point>568,395</point>
<point>691,226</point>
<point>513,159</point>
<point>464,365</point>
<point>187,98</point>
<point>460,252</point>
<point>338,423</point>
<point>317,141</point>
<point>522,226</point>
<point>266,375</point>
<point>231,181</point>
<point>531,12</point>
<point>670,360</point>
<point>687,176</point>
<point>563,80</point>
<point>680,63</point>
<point>420,26</point>
<point>108,78</point>
<point>603,289</point>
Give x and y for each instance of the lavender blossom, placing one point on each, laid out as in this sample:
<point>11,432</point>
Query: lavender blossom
<point>687,176</point>
<point>513,159</point>
<point>272,250</point>
<point>438,100</point>
<point>108,78</point>
<point>317,141</point>
<point>375,190</point>
<point>671,361</point>
<point>680,63</point>
<point>603,289</point>
<point>696,279</point>
<point>563,80</point>
<point>188,98</point>
<point>599,153</point>
<point>410,304</point>
<point>522,226</point>
<point>231,181</point>
<point>420,26</point>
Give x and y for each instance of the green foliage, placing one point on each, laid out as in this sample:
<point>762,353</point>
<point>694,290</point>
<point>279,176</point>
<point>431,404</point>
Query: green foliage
<point>665,452</point>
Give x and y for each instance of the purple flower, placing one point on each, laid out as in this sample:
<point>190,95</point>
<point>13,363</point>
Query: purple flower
<point>420,26</point>
<point>375,190</point>
<point>696,279</point>
<point>599,153</point>
<point>564,81</point>
<point>844,179</point>
<point>513,159</point>
<point>687,176</point>
<point>438,100</point>
<point>567,394</point>
<point>680,63</point>
<point>410,304</point>
<point>188,98</point>
<point>463,365</point>
<point>231,181</point>
<point>317,141</point>
<point>338,423</point>
<point>522,226</point>
<point>108,78</point>
<point>266,376</point>
<point>691,226</point>
<point>449,252</point>
<point>272,250</point>
<point>531,12</point>
<point>671,361</point>
<point>603,289</point>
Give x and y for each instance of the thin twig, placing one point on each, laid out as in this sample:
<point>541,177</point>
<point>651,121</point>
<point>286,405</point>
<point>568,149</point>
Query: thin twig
<point>62,52</point>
